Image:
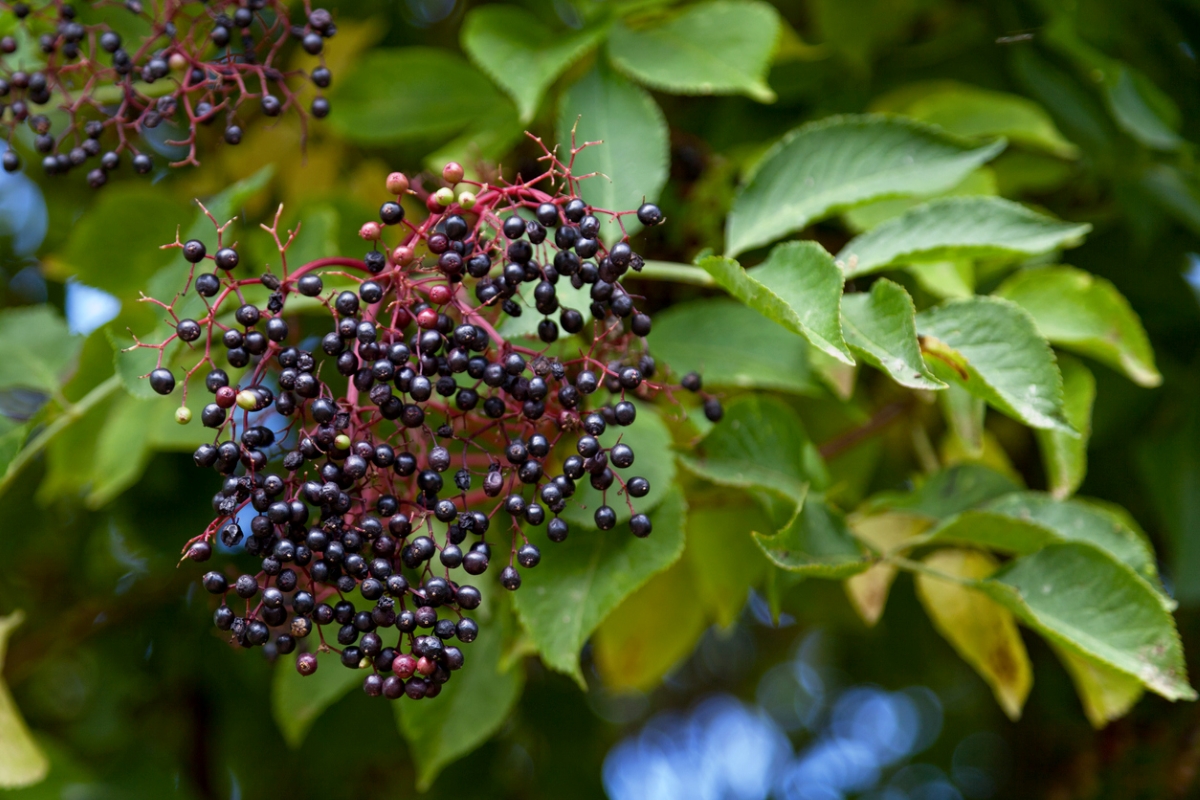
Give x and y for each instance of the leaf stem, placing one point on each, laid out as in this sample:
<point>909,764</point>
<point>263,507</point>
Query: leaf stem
<point>69,415</point>
<point>670,271</point>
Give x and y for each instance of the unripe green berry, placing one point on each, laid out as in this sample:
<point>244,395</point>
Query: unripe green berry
<point>444,196</point>
<point>466,201</point>
<point>342,442</point>
<point>247,399</point>
<point>183,415</point>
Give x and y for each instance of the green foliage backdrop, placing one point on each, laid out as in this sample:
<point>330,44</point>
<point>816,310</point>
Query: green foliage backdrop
<point>941,261</point>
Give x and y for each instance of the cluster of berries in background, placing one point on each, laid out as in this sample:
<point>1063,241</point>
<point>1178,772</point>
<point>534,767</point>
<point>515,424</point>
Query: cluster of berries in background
<point>77,92</point>
<point>377,434</point>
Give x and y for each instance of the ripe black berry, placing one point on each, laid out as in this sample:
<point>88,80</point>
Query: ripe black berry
<point>194,250</point>
<point>227,258</point>
<point>162,381</point>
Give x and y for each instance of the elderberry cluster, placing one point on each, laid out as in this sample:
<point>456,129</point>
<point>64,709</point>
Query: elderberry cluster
<point>411,438</point>
<point>201,63</point>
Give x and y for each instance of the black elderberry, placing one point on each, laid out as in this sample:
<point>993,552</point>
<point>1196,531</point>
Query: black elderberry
<point>322,77</point>
<point>605,518</point>
<point>215,583</point>
<point>194,250</point>
<point>227,258</point>
<point>528,556</point>
<point>142,163</point>
<point>208,284</point>
<point>162,381</point>
<point>713,410</point>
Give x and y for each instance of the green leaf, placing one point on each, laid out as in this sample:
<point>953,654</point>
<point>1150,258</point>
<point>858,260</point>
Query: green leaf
<point>633,159</point>
<point>965,416</point>
<point>973,112</point>
<point>633,649</point>
<point>297,700</point>
<point>732,345</point>
<point>1063,456</point>
<point>470,709</point>
<point>881,327</point>
<point>982,632</point>
<point>993,349</point>
<point>724,561</point>
<point>799,286</point>
<point>123,448</point>
<point>1024,522</point>
<point>568,297</point>
<point>720,47</point>
<point>1086,314</point>
<point>1080,598</point>
<point>566,598</point>
<point>815,543</point>
<point>12,436</point>
<point>882,533</point>
<point>22,762</point>
<point>520,53</point>
<point>833,165</point>
<point>654,460</point>
<point>947,492</point>
<point>38,349</point>
<point>958,227</point>
<point>414,94</point>
<point>760,445</point>
<point>106,251</point>
<point>945,279</point>
<point>1132,99</point>
<point>1106,694</point>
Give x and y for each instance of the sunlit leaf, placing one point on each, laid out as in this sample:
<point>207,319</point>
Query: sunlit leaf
<point>520,52</point>
<point>958,227</point>
<point>719,47</point>
<point>992,349</point>
<point>833,165</point>
<point>633,159</point>
<point>1081,312</point>
<point>1079,597</point>
<point>799,286</point>
<point>881,327</point>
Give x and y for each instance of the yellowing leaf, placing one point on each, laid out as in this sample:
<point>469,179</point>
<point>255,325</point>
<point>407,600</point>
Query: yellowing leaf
<point>980,630</point>
<point>22,763</point>
<point>1106,694</point>
<point>868,591</point>
<point>635,649</point>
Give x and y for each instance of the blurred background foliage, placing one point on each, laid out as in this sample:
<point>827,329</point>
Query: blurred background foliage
<point>129,693</point>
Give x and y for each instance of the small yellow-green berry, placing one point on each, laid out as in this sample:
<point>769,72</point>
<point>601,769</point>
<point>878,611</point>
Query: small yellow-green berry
<point>247,399</point>
<point>341,442</point>
<point>183,415</point>
<point>466,200</point>
<point>444,196</point>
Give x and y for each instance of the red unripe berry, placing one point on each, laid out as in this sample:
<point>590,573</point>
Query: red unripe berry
<point>226,396</point>
<point>306,664</point>
<point>370,231</point>
<point>404,665</point>
<point>427,319</point>
<point>433,205</point>
<point>397,183</point>
<point>453,172</point>
<point>439,295</point>
<point>403,318</point>
<point>426,666</point>
<point>402,255</point>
